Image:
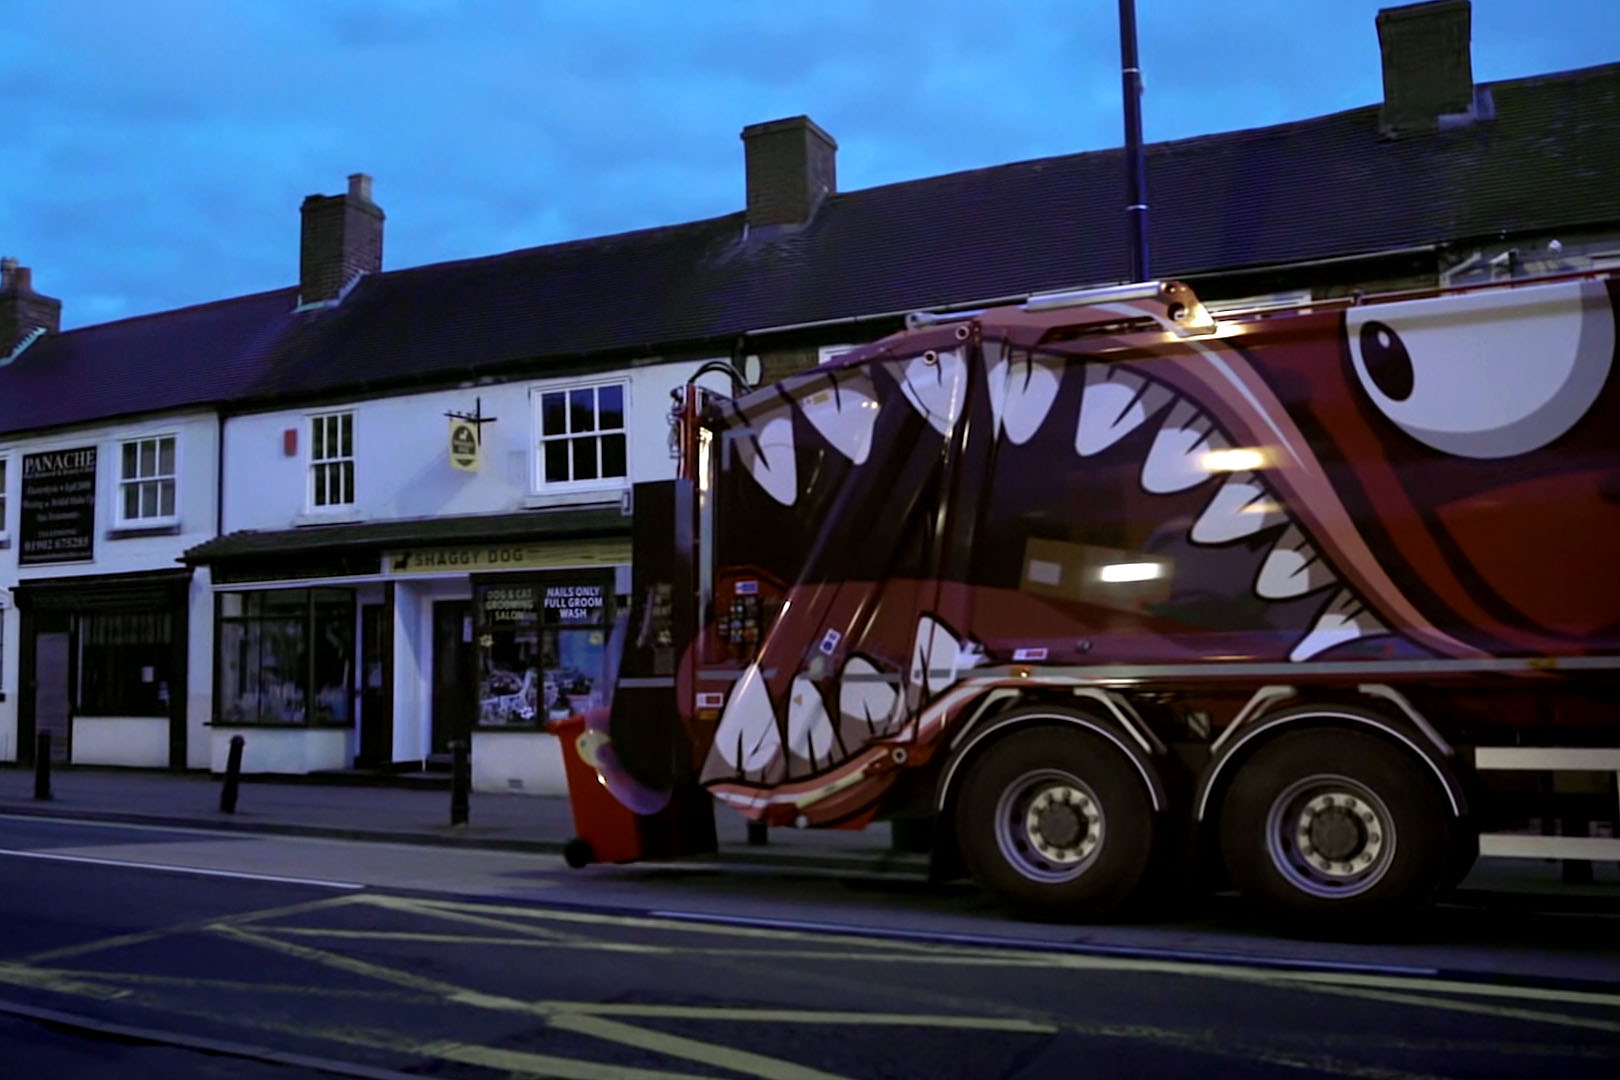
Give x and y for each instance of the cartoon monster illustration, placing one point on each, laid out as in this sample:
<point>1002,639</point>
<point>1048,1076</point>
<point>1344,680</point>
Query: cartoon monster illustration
<point>1080,493</point>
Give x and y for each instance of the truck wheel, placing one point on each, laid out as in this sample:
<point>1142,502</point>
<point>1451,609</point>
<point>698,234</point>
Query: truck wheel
<point>1336,824</point>
<point>1055,820</point>
<point>578,852</point>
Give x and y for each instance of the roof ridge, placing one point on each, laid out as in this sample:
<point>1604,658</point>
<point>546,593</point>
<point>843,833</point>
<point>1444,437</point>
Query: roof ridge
<point>562,245</point>
<point>1167,145</point>
<point>167,312</point>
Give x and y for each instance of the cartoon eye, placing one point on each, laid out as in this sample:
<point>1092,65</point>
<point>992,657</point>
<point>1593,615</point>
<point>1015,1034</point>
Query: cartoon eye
<point>1486,374</point>
<point>1388,363</point>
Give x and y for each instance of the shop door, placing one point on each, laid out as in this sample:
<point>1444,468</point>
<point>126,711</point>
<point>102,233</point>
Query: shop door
<point>376,697</point>
<point>454,685</point>
<point>52,689</point>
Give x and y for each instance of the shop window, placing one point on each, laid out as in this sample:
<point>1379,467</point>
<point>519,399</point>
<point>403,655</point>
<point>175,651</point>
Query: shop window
<point>542,648</point>
<point>146,481</point>
<point>124,663</point>
<point>331,460</point>
<point>582,437</point>
<point>3,504</point>
<point>286,656</point>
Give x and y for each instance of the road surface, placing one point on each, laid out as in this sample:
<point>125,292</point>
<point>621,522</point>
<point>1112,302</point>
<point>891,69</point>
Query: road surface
<point>169,952</point>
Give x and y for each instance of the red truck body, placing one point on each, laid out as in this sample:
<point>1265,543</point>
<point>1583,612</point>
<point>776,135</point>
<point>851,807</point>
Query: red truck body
<point>1099,579</point>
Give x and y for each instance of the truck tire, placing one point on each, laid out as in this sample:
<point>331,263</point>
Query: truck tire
<point>1336,828</point>
<point>1056,821</point>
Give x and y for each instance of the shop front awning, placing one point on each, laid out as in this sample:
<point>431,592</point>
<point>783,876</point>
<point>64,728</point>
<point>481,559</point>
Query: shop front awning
<point>151,589</point>
<point>467,543</point>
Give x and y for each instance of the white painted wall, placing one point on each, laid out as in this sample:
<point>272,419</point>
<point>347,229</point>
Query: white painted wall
<point>197,440</point>
<point>139,741</point>
<point>413,643</point>
<point>199,671</point>
<point>517,762</point>
<point>282,750</point>
<point>197,437</point>
<point>402,468</point>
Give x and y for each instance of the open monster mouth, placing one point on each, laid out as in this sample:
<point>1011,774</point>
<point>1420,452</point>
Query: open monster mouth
<point>1248,512</point>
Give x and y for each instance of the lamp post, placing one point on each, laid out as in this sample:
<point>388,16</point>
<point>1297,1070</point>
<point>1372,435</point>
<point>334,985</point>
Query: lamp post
<point>1131,84</point>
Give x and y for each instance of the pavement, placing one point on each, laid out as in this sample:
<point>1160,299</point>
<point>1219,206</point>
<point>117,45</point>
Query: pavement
<point>415,814</point>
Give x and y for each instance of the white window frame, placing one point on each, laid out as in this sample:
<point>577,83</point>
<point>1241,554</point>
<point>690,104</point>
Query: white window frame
<point>156,521</point>
<point>326,461</point>
<point>537,473</point>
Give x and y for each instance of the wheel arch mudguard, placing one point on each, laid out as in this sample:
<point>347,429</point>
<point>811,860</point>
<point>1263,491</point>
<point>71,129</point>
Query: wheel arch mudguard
<point>1122,729</point>
<point>1376,709</point>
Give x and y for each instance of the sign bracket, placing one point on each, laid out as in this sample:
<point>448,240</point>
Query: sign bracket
<point>476,418</point>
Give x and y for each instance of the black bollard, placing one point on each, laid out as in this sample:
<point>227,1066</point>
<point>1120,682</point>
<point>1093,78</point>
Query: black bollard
<point>233,776</point>
<point>460,781</point>
<point>42,765</point>
<point>759,834</point>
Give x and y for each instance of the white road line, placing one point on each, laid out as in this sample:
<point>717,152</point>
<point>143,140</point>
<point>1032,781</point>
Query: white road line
<point>132,865</point>
<point>1041,945</point>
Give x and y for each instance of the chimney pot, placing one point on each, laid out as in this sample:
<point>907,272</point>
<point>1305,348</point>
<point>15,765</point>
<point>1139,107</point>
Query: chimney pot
<point>1428,72</point>
<point>360,186</point>
<point>22,310</point>
<point>791,165</point>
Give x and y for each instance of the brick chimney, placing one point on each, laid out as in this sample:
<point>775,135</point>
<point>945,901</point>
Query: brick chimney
<point>22,310</point>
<point>791,167</point>
<point>1428,74</point>
<point>342,238</point>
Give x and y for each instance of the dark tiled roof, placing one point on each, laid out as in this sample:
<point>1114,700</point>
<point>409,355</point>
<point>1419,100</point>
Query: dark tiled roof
<point>411,533</point>
<point>193,356</point>
<point>1312,189</point>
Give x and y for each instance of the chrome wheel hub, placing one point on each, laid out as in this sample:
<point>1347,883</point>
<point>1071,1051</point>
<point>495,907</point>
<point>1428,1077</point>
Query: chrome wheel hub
<point>1330,836</point>
<point>1049,825</point>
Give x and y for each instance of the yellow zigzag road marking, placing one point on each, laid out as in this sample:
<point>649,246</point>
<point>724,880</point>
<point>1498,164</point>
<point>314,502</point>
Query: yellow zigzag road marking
<point>140,978</point>
<point>801,1016</point>
<point>742,1061</point>
<point>45,979</point>
<point>926,952</point>
<point>144,936</point>
<point>1505,1012</point>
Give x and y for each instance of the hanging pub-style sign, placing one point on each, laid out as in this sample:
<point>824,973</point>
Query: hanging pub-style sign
<point>467,436</point>
<point>464,446</point>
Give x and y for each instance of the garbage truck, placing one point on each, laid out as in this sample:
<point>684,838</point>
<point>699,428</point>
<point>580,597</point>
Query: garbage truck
<point>1318,602</point>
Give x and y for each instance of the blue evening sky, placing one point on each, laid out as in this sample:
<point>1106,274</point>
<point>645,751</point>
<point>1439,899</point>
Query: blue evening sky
<point>155,151</point>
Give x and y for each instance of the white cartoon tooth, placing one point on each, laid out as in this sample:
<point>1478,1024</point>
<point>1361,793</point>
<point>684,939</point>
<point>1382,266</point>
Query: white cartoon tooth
<point>934,659</point>
<point>1293,568</point>
<point>1116,403</point>
<point>936,384</point>
<point>765,448</point>
<point>1242,507</point>
<point>746,741</point>
<point>1176,460</point>
<point>868,703</point>
<point>1343,620</point>
<point>844,410</point>
<point>810,738</point>
<point>1022,391</point>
